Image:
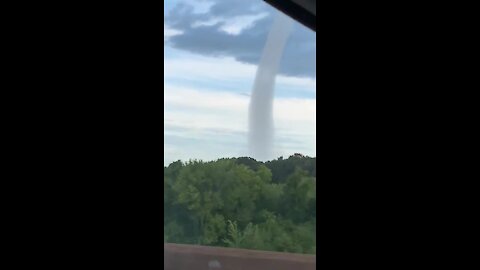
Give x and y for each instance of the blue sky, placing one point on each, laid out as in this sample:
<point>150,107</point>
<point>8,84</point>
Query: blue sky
<point>210,64</point>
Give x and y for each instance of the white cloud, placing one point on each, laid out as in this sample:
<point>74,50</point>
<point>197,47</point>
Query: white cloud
<point>237,25</point>
<point>209,125</point>
<point>234,25</point>
<point>208,68</point>
<point>203,68</point>
<point>210,22</point>
<point>200,7</point>
<point>306,84</point>
<point>169,32</point>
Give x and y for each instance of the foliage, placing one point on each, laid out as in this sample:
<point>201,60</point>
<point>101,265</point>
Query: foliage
<point>242,203</point>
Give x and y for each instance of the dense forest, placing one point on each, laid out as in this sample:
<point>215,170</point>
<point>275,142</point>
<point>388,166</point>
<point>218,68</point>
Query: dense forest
<point>242,203</point>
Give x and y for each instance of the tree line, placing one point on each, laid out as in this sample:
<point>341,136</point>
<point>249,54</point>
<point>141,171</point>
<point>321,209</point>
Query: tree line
<point>242,203</point>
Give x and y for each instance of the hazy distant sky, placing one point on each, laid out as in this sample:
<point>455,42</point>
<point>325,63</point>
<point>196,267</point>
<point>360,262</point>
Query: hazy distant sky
<point>211,51</point>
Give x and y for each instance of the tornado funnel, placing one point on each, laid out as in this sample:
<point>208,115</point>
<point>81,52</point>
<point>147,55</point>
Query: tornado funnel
<point>261,124</point>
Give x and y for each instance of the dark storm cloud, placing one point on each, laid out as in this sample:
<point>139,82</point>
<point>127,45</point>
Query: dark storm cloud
<point>300,52</point>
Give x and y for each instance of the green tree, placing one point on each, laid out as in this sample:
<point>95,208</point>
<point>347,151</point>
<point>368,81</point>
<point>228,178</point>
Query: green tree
<point>242,203</point>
